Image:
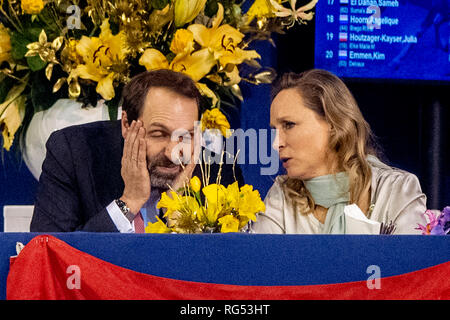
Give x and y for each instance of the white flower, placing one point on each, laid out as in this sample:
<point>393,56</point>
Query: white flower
<point>294,14</point>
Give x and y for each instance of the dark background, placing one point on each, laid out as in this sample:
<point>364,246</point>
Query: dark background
<point>410,119</point>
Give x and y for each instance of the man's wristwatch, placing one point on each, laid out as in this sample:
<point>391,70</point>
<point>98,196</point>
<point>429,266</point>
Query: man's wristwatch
<point>125,210</point>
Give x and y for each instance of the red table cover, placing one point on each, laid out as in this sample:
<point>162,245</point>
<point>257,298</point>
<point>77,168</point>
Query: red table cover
<point>48,268</point>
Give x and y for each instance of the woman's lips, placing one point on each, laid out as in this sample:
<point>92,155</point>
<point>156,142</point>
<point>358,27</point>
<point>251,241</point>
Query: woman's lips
<point>285,162</point>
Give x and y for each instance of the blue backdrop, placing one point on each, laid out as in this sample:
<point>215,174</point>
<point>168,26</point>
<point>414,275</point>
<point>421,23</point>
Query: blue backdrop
<point>244,259</point>
<point>410,120</point>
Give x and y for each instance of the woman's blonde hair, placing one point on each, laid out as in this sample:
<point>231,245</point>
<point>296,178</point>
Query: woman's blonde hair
<point>350,137</point>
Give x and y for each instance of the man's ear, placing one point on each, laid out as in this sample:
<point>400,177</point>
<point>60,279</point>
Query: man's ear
<point>124,123</point>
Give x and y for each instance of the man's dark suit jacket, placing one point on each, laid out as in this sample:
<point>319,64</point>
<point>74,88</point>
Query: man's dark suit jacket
<point>81,176</point>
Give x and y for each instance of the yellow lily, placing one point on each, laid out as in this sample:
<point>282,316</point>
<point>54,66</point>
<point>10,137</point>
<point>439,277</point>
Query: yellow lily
<point>260,9</point>
<point>153,59</point>
<point>69,55</point>
<point>215,119</point>
<point>229,224</point>
<point>206,91</point>
<point>222,40</point>
<point>191,206</point>
<point>10,120</point>
<point>232,80</point>
<point>233,55</point>
<point>233,195</point>
<point>233,77</point>
<point>250,202</point>
<point>182,42</point>
<point>184,220</point>
<point>157,227</point>
<point>195,184</point>
<point>100,55</point>
<point>195,64</point>
<point>32,6</point>
<point>187,10</point>
<point>215,201</point>
<point>212,37</point>
<point>5,44</point>
<point>171,203</point>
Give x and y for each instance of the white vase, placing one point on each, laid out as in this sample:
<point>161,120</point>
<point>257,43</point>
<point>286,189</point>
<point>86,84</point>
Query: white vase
<point>63,113</point>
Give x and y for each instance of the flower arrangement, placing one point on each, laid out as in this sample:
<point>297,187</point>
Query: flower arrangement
<point>438,224</point>
<point>208,209</point>
<point>88,49</point>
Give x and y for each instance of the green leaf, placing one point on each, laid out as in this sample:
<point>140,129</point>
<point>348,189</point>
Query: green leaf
<point>18,45</point>
<point>114,27</point>
<point>19,42</point>
<point>6,84</point>
<point>211,8</point>
<point>35,63</point>
<point>113,106</point>
<point>47,17</point>
<point>159,4</point>
<point>33,34</point>
<point>42,97</point>
<point>13,94</point>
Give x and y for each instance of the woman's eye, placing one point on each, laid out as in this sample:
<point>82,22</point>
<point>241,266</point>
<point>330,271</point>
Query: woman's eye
<point>288,125</point>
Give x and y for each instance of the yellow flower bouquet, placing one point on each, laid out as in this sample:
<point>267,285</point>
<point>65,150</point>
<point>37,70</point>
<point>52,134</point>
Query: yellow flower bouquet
<point>208,209</point>
<point>88,50</point>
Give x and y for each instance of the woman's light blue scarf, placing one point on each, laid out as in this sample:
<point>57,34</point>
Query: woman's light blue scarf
<point>331,192</point>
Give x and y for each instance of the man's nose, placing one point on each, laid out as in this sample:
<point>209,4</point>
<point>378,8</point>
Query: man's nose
<point>172,153</point>
<point>177,148</point>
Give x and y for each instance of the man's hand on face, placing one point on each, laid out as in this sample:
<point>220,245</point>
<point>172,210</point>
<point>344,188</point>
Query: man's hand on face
<point>134,170</point>
<point>184,176</point>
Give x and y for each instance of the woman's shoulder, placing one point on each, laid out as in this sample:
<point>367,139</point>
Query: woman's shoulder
<point>277,187</point>
<point>390,178</point>
<point>397,196</point>
<point>276,195</point>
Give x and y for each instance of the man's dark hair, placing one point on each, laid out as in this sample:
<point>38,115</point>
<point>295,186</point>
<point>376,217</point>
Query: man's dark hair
<point>135,92</point>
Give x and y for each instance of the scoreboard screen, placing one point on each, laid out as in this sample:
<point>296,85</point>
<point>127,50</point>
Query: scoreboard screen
<point>384,39</point>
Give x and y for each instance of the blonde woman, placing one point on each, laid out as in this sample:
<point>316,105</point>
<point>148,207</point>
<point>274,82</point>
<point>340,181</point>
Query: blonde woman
<point>326,148</point>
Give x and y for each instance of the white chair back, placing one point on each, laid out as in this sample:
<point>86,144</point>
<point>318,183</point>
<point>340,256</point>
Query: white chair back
<point>17,218</point>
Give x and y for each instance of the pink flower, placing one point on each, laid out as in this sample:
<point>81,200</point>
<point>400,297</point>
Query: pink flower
<point>433,221</point>
<point>443,226</point>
